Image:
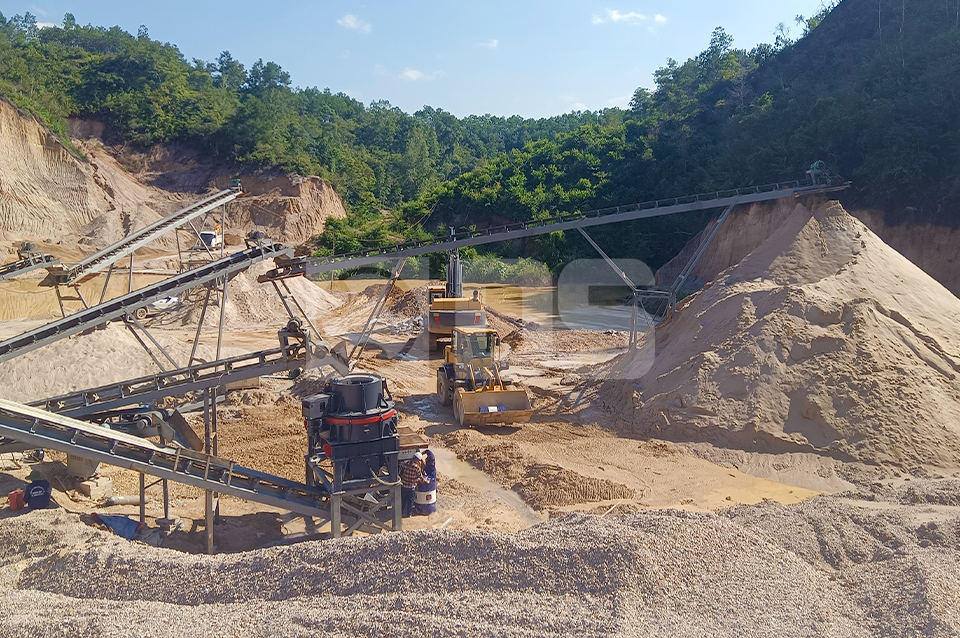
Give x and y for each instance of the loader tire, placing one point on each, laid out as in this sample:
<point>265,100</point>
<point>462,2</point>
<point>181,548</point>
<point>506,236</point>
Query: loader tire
<point>444,392</point>
<point>458,409</point>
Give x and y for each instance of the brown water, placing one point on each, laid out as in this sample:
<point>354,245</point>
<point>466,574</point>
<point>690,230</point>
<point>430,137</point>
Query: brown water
<point>449,465</point>
<point>540,304</point>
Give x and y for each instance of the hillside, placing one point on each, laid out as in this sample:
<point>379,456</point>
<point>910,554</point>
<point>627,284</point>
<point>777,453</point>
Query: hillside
<point>870,90</point>
<point>47,194</point>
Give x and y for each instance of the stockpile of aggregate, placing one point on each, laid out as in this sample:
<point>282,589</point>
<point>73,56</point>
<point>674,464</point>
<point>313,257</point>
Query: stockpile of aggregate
<point>822,339</point>
<point>828,567</point>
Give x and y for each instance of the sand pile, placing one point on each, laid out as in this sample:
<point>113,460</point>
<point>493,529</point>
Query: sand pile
<point>409,304</point>
<point>933,248</point>
<point>541,485</point>
<point>822,339</point>
<point>90,360</point>
<point>744,230</point>
<point>251,303</point>
<point>825,568</point>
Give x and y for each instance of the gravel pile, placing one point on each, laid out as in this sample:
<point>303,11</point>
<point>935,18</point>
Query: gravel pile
<point>409,304</point>
<point>822,568</point>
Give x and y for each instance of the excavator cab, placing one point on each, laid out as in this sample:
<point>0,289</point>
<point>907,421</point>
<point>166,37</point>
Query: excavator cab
<point>470,379</point>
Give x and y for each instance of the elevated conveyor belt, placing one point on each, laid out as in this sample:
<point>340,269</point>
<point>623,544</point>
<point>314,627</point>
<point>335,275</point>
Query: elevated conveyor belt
<point>193,379</point>
<point>309,266</point>
<point>116,308</point>
<point>24,265</point>
<point>40,429</point>
<point>111,254</point>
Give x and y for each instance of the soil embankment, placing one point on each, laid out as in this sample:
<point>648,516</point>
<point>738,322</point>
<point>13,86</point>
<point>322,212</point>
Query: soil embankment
<point>50,196</point>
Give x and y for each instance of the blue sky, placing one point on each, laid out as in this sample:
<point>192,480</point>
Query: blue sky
<point>533,59</point>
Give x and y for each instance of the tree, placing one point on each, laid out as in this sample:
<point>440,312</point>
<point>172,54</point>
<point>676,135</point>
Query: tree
<point>228,73</point>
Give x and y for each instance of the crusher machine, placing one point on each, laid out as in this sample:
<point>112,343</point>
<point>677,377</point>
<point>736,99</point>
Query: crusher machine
<point>353,452</point>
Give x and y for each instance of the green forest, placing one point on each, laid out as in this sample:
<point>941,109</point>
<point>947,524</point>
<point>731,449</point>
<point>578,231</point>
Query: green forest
<point>872,88</point>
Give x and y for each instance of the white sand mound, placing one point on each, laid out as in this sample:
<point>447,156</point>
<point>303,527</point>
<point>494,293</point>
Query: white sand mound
<point>100,357</point>
<point>253,304</point>
<point>823,338</point>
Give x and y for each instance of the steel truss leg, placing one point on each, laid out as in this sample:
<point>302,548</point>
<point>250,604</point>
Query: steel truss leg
<point>196,338</point>
<point>134,321</point>
<point>336,500</point>
<point>397,509</point>
<point>103,293</point>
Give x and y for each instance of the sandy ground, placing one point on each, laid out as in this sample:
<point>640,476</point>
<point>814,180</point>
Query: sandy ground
<point>502,478</point>
<point>652,528</point>
<point>574,455</point>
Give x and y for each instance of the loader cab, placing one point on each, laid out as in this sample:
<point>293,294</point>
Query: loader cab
<point>475,346</point>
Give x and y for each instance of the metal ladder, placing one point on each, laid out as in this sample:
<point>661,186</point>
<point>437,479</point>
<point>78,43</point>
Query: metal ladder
<point>111,254</point>
<point>126,304</point>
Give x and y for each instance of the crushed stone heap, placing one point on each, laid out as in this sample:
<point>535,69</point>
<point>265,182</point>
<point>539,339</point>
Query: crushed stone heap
<point>822,339</point>
<point>824,568</point>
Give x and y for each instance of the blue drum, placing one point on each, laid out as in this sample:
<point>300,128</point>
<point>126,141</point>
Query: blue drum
<point>426,498</point>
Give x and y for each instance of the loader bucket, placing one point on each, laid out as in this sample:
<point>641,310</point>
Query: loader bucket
<point>491,406</point>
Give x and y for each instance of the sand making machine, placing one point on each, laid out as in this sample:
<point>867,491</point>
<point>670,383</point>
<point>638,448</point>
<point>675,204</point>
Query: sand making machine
<point>353,451</point>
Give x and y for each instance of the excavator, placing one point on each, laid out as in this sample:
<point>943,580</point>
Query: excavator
<point>470,379</point>
<point>448,307</point>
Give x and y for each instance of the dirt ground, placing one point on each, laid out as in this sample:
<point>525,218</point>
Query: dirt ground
<point>574,456</point>
<point>495,477</point>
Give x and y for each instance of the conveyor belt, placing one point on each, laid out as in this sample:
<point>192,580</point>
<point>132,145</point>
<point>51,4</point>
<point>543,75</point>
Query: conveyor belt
<point>116,308</point>
<point>314,265</point>
<point>111,254</point>
<point>193,379</point>
<point>40,429</point>
<point>24,265</point>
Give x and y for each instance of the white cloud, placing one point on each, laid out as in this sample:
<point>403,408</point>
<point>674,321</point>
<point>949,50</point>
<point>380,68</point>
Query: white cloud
<point>579,106</point>
<point>351,21</point>
<point>45,25</point>
<point>622,101</point>
<point>412,75</point>
<point>492,44</point>
<point>614,16</point>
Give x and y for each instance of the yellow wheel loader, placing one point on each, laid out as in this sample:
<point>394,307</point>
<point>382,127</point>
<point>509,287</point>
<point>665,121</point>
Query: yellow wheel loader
<point>470,379</point>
